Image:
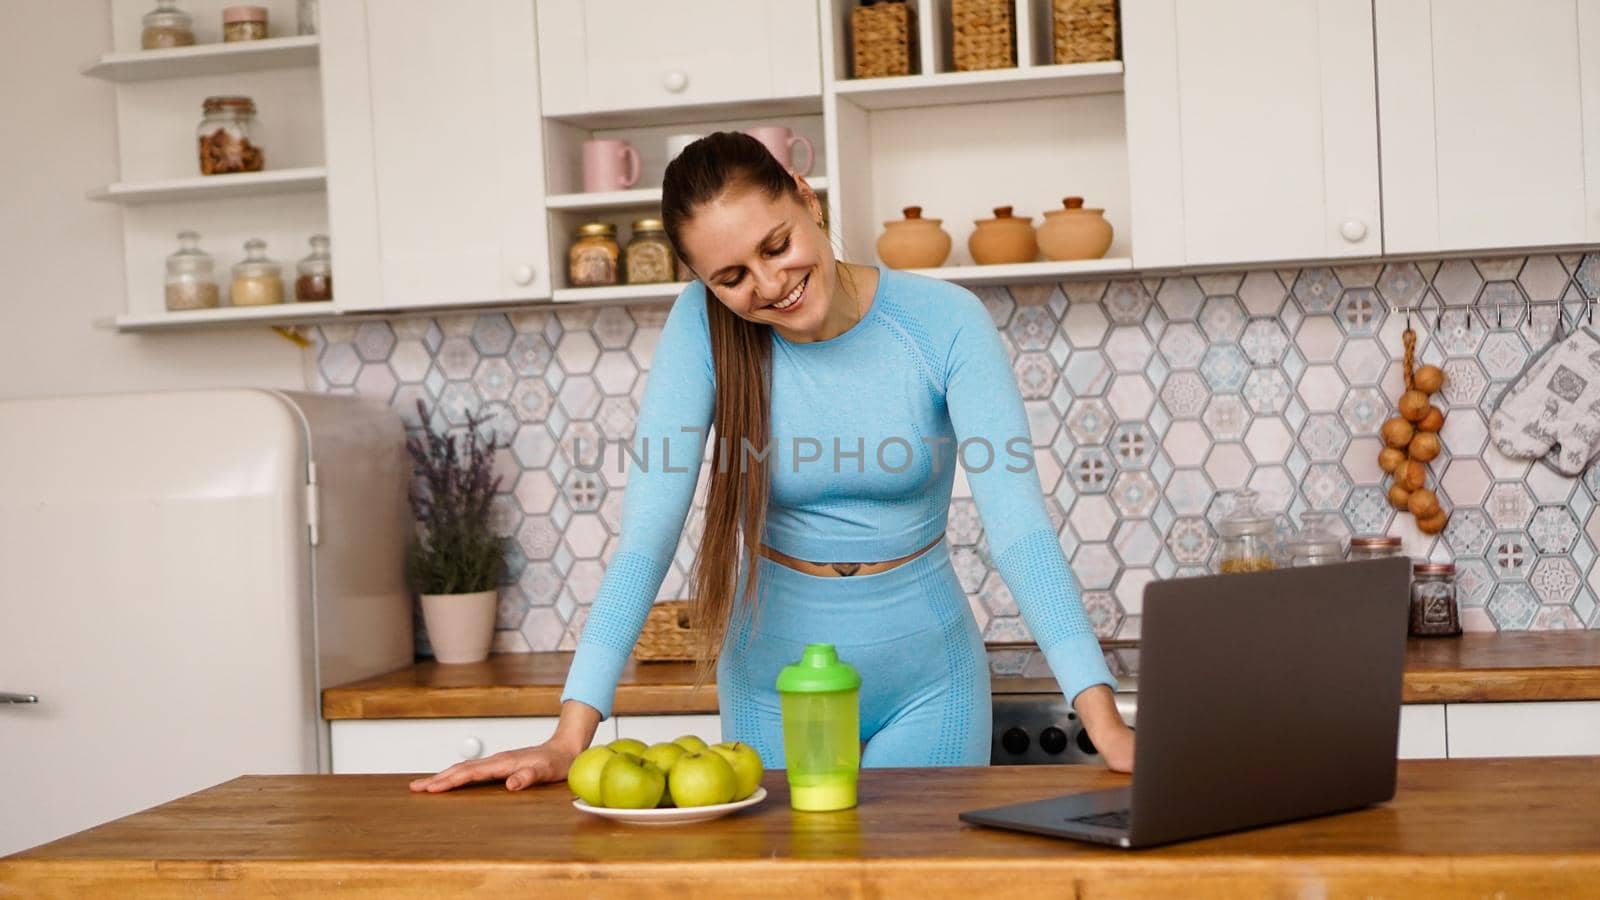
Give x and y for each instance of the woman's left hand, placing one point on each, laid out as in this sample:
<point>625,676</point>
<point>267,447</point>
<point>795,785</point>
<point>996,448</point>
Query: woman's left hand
<point>1115,743</point>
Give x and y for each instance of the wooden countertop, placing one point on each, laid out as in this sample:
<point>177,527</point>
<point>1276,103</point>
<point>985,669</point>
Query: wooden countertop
<point>1544,665</point>
<point>1512,827</point>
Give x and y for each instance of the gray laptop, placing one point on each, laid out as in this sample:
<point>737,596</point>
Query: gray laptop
<point>1263,698</point>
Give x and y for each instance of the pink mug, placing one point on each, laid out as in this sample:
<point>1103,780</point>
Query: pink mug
<point>609,165</point>
<point>781,142</point>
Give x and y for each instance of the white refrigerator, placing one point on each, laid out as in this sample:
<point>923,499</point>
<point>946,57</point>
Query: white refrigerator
<point>181,573</point>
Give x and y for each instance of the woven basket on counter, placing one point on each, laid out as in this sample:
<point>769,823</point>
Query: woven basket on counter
<point>1084,30</point>
<point>883,40</point>
<point>667,635</point>
<point>982,32</point>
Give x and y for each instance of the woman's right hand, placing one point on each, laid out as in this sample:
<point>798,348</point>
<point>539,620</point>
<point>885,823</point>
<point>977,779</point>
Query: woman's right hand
<point>521,768</point>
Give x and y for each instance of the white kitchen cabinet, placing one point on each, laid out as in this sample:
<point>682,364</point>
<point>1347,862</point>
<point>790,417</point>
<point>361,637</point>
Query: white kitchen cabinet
<point>1422,731</point>
<point>435,153</point>
<point>1544,728</point>
<point>602,55</point>
<point>1252,131</point>
<point>429,745</point>
<point>1490,114</point>
<point>654,729</point>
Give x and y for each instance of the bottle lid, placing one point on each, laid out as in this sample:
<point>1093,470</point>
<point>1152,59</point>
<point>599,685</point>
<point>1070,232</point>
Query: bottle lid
<point>189,258</point>
<point>255,263</point>
<point>167,15</point>
<point>317,261</point>
<point>244,14</point>
<point>648,225</point>
<point>1245,517</point>
<point>237,104</point>
<point>1376,542</point>
<point>596,229</point>
<point>1434,568</point>
<point>818,671</point>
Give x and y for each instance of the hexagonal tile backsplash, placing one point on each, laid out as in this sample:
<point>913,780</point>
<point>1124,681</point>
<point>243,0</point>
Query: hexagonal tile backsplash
<point>1147,396</point>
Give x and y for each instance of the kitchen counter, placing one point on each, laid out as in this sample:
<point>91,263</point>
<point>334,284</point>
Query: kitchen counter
<point>1546,665</point>
<point>1456,828</point>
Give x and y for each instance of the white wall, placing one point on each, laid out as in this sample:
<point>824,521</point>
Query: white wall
<point>61,255</point>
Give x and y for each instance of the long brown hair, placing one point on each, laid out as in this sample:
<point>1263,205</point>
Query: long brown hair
<point>741,356</point>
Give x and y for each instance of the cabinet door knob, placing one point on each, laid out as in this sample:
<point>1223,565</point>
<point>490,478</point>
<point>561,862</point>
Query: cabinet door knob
<point>523,275</point>
<point>675,82</point>
<point>471,748</point>
<point>1353,230</point>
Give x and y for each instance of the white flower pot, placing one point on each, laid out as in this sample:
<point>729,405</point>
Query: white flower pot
<point>460,626</point>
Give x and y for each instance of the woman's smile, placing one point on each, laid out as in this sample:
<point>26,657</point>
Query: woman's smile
<point>791,302</point>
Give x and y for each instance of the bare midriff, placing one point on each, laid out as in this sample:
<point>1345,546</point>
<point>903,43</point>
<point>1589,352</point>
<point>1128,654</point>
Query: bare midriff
<point>844,569</point>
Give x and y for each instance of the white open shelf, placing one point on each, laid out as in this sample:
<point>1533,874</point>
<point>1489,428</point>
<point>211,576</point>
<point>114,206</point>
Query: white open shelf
<point>620,293</point>
<point>991,86</point>
<point>207,59</point>
<point>1012,273</point>
<point>693,113</point>
<point>636,197</point>
<point>275,314</point>
<point>212,187</point>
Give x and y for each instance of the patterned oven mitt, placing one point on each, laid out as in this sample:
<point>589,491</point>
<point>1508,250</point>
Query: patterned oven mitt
<point>1553,409</point>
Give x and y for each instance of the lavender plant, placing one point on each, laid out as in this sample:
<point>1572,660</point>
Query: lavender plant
<point>454,550</point>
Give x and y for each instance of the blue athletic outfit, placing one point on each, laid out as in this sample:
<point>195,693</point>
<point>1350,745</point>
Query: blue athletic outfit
<point>866,430</point>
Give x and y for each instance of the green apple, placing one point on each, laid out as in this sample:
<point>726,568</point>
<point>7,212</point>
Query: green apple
<point>584,775</point>
<point>664,756</point>
<point>627,782</point>
<point>690,743</point>
<point>746,763</point>
<point>628,745</point>
<point>702,778</point>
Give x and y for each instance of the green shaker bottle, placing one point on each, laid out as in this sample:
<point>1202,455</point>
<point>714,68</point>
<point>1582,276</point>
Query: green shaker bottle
<point>820,697</point>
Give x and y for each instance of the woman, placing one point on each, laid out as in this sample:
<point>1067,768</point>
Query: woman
<point>841,396</point>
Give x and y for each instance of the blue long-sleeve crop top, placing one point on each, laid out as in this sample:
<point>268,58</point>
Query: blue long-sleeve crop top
<point>866,430</point>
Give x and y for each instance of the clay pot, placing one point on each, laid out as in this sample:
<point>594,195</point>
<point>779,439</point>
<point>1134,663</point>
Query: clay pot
<point>1074,232</point>
<point>1003,239</point>
<point>913,242</point>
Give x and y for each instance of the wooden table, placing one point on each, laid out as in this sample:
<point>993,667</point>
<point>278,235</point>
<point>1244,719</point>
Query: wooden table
<point>1513,828</point>
<point>1544,665</point>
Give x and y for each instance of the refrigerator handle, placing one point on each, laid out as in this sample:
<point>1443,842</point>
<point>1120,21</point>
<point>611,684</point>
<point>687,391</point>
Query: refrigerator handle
<point>18,698</point>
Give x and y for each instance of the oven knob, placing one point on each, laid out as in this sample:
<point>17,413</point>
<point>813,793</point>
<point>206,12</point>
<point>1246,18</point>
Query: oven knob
<point>1015,740</point>
<point>1084,744</point>
<point>1052,740</point>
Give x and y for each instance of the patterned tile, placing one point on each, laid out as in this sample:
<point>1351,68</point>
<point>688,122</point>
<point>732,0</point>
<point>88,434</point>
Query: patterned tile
<point>1090,421</point>
<point>1180,298</point>
<point>1511,554</point>
<point>1513,606</point>
<point>1553,529</point>
<point>1401,284</point>
<point>1090,470</point>
<point>1185,394</point>
<point>1317,290</point>
<point>1267,391</point>
<point>1135,493</point>
<point>1129,348</point>
<point>1225,368</point>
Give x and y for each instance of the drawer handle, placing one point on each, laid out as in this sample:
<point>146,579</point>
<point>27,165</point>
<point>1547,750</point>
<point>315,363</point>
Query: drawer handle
<point>1353,230</point>
<point>523,275</point>
<point>675,82</point>
<point>17,698</point>
<point>471,748</point>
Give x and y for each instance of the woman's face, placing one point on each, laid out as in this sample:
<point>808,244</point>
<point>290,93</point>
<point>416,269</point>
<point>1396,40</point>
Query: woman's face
<point>766,260</point>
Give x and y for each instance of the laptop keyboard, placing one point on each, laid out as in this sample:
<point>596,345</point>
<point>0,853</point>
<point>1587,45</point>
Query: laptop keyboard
<point>1117,818</point>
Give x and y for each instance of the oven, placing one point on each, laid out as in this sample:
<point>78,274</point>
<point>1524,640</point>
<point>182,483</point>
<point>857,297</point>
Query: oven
<point>1034,724</point>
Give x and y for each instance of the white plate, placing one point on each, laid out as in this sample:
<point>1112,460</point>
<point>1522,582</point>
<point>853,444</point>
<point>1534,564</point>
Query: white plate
<point>672,815</point>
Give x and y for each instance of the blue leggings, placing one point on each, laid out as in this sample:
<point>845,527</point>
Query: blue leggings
<point>908,631</point>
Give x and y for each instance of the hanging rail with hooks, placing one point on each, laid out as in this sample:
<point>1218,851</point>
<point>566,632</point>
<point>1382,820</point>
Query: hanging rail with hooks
<point>1586,311</point>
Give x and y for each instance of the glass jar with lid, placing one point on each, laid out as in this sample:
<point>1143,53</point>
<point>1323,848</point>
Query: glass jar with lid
<point>257,281</point>
<point>1434,612</point>
<point>166,26</point>
<point>224,135</point>
<point>1245,539</point>
<point>1317,543</point>
<point>191,281</point>
<point>1375,546</point>
<point>649,258</point>
<point>244,23</point>
<point>314,273</point>
<point>592,259</point>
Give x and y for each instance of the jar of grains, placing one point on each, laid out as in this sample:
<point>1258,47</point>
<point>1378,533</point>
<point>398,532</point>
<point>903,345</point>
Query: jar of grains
<point>1244,537</point>
<point>314,273</point>
<point>166,26</point>
<point>224,136</point>
<point>1433,600</point>
<point>191,283</point>
<point>256,280</point>
<point>244,23</point>
<point>649,258</point>
<point>592,259</point>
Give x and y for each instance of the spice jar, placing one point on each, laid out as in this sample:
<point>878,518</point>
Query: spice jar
<point>1374,546</point>
<point>1316,544</point>
<point>1245,543</point>
<point>649,258</point>
<point>256,279</point>
<point>314,279</point>
<point>244,23</point>
<point>166,26</point>
<point>592,259</point>
<point>224,135</point>
<point>190,281</point>
<point>1433,600</point>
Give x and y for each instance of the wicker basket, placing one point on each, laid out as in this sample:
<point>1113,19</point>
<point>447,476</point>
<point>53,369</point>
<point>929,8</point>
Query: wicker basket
<point>984,34</point>
<point>1084,30</point>
<point>666,634</point>
<point>883,40</point>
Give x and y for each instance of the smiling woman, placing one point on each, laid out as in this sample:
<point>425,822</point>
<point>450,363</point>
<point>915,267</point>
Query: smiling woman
<point>842,397</point>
